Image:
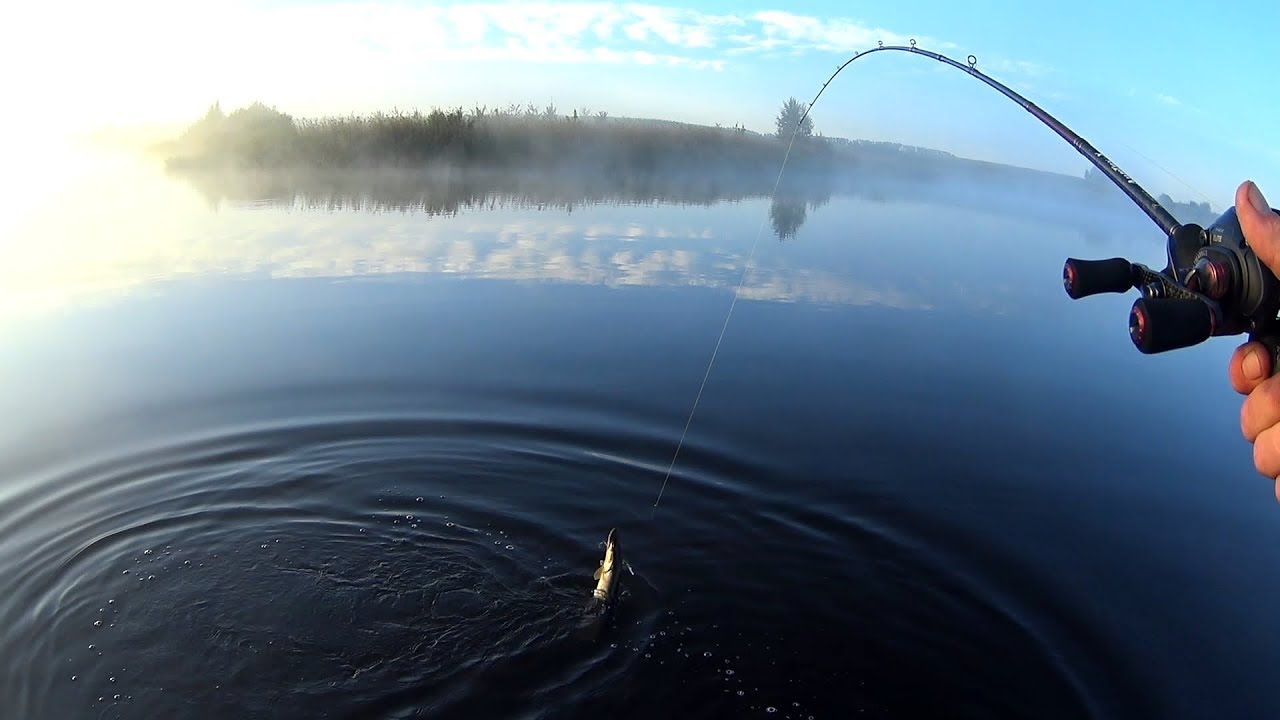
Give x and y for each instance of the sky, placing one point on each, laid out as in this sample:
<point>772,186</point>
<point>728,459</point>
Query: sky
<point>1180,95</point>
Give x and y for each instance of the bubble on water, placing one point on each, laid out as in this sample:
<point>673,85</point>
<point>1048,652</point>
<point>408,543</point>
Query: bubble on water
<point>648,655</point>
<point>771,709</point>
<point>740,693</point>
<point>73,678</point>
<point>511,547</point>
<point>111,680</point>
<point>395,522</point>
<point>418,499</point>
<point>117,697</point>
<point>663,633</point>
<point>151,577</point>
<point>146,552</point>
<point>126,572</point>
<point>706,654</point>
<point>264,546</point>
<point>186,562</point>
<point>414,526</point>
<point>408,517</point>
<point>111,602</point>
<point>92,647</point>
<point>449,524</point>
<point>97,623</point>
<point>729,671</point>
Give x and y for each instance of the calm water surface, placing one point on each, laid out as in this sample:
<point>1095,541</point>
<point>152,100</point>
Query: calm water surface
<point>355,457</point>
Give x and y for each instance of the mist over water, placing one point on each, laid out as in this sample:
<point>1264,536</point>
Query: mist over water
<point>349,444</point>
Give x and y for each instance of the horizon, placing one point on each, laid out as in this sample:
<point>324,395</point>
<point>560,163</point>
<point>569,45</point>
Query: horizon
<point>699,63</point>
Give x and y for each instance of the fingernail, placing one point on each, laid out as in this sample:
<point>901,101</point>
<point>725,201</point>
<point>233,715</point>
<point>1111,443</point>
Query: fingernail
<point>1253,364</point>
<point>1256,199</point>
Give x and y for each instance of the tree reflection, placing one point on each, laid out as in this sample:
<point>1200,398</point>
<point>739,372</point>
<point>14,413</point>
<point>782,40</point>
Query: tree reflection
<point>446,191</point>
<point>787,214</point>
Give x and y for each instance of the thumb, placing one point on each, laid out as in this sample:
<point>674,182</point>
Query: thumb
<point>1261,226</point>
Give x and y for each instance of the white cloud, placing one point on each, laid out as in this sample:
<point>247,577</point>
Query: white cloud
<point>139,57</point>
<point>1168,99</point>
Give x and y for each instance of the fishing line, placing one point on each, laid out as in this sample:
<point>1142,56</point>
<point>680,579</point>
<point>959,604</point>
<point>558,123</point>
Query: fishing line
<point>1140,197</point>
<point>746,270</point>
<point>1166,171</point>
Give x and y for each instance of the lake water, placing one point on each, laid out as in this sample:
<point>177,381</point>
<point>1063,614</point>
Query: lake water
<point>356,455</point>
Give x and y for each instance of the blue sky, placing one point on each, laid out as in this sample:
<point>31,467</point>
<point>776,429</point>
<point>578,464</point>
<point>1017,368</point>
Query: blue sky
<point>1164,89</point>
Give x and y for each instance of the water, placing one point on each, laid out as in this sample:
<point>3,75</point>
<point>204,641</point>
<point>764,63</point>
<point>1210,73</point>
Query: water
<point>356,456</point>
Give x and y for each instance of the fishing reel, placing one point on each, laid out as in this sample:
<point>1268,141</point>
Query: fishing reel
<point>1214,284</point>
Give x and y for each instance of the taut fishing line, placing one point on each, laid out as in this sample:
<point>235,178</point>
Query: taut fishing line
<point>1213,283</point>
<point>746,270</point>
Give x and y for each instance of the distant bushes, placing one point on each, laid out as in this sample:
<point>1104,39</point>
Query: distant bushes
<point>518,150</point>
<point>261,137</point>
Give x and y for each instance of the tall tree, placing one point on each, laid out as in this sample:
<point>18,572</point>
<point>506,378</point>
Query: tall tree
<point>789,116</point>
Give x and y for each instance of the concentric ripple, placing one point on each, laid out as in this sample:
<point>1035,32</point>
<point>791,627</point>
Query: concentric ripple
<point>350,567</point>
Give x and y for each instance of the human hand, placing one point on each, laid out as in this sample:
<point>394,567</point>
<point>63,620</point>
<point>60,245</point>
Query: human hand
<point>1250,368</point>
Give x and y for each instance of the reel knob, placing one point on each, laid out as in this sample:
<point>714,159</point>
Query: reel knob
<point>1082,278</point>
<point>1160,324</point>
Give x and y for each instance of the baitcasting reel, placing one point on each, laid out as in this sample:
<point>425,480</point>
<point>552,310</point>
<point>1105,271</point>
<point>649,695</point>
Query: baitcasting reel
<point>1214,284</point>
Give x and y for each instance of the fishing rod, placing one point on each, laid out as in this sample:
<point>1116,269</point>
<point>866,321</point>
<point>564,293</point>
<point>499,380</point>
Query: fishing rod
<point>1213,283</point>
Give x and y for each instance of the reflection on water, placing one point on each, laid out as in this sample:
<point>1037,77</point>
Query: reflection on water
<point>787,212</point>
<point>350,449</point>
<point>128,225</point>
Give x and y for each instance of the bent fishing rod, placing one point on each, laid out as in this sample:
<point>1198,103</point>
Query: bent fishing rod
<point>1213,283</point>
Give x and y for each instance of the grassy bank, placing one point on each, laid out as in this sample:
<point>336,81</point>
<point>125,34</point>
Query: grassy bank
<point>444,160</point>
<point>260,138</point>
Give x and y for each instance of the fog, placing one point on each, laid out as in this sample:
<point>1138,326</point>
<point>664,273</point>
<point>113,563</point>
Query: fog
<point>125,221</point>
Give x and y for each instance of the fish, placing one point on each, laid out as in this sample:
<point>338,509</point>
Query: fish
<point>607,574</point>
<point>605,593</point>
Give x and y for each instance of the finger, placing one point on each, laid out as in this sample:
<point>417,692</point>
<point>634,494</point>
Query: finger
<point>1266,453</point>
<point>1250,365</point>
<point>1261,226</point>
<point>1261,409</point>
<point>1278,490</point>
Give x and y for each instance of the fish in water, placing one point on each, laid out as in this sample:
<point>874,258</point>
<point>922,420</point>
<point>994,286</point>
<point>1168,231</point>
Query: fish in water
<point>606,590</point>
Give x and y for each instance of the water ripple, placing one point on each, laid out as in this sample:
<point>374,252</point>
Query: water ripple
<point>376,563</point>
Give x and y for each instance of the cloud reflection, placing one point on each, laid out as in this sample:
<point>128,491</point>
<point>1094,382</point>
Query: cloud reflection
<point>136,229</point>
